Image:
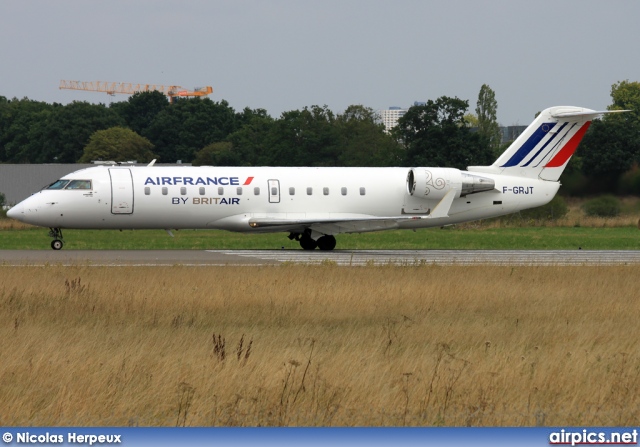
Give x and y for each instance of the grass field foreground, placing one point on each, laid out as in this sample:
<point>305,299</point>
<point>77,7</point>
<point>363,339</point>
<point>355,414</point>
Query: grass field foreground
<point>319,346</point>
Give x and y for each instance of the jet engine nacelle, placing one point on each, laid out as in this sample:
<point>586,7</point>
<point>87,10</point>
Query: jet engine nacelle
<point>435,183</point>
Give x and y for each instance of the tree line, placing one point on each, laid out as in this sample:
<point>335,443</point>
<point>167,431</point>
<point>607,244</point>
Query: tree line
<point>440,132</point>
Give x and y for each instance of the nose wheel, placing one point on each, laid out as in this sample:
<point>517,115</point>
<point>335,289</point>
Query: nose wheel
<point>58,240</point>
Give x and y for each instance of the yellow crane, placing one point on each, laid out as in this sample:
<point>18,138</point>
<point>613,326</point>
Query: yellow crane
<point>127,88</point>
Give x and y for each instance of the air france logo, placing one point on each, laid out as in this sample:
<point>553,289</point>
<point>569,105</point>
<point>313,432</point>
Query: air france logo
<point>197,181</point>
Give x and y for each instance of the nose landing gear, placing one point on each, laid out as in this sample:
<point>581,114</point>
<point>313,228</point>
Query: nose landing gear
<point>58,240</point>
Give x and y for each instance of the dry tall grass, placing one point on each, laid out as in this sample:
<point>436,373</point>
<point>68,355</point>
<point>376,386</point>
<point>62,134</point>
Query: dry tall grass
<point>575,217</point>
<point>12,224</point>
<point>301,345</point>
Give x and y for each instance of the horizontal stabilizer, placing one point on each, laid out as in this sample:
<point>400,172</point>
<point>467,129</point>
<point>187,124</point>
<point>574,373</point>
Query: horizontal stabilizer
<point>590,113</point>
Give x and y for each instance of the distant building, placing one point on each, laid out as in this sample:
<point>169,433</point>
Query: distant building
<point>391,116</point>
<point>510,133</point>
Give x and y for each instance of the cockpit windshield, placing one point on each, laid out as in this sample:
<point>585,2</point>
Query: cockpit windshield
<point>79,184</point>
<point>70,184</point>
<point>58,184</point>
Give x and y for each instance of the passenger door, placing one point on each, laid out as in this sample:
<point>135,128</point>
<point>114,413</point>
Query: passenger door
<point>274,191</point>
<point>121,191</point>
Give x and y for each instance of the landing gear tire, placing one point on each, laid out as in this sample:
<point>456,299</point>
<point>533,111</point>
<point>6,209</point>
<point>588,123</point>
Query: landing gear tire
<point>307,243</point>
<point>327,242</point>
<point>56,234</point>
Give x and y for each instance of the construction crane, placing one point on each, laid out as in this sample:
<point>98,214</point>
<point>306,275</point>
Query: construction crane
<point>111,88</point>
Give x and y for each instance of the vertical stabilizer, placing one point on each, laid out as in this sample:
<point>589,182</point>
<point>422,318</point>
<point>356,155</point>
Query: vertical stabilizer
<point>543,150</point>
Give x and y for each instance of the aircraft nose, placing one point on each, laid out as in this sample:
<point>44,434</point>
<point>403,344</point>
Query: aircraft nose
<point>16,212</point>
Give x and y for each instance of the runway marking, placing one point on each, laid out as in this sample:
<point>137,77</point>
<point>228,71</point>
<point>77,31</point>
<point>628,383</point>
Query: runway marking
<point>444,257</point>
<point>203,258</point>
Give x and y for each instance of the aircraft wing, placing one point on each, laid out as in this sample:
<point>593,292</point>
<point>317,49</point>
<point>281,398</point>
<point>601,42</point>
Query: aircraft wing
<point>338,224</point>
<point>341,223</point>
<point>331,225</point>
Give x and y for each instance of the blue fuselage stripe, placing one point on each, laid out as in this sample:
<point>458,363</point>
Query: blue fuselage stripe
<point>529,145</point>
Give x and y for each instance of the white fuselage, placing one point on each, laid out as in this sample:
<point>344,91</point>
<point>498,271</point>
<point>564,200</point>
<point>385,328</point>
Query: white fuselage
<point>229,197</point>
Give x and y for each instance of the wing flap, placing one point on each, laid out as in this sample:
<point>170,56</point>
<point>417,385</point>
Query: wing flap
<point>349,223</point>
<point>334,225</point>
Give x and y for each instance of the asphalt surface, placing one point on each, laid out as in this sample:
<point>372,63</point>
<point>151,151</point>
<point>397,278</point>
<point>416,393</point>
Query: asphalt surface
<point>336,257</point>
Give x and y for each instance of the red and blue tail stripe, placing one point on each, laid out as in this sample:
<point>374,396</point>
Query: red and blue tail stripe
<point>544,143</point>
<point>568,149</point>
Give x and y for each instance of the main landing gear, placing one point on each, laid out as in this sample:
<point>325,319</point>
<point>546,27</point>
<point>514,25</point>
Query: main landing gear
<point>326,242</point>
<point>58,240</point>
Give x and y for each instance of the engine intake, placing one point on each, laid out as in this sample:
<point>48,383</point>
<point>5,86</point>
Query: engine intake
<point>434,183</point>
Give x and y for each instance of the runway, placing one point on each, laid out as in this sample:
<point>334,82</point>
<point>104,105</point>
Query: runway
<point>337,257</point>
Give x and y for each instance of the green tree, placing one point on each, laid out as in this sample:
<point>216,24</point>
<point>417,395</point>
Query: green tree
<point>486,111</point>
<point>612,144</point>
<point>363,140</point>
<point>117,144</point>
<point>217,154</point>
<point>306,137</point>
<point>471,120</point>
<point>435,134</point>
<point>252,142</point>
<point>183,128</point>
<point>63,134</point>
<point>626,96</point>
<point>141,109</point>
<point>18,119</point>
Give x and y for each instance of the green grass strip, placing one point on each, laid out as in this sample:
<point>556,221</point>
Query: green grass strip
<point>520,238</point>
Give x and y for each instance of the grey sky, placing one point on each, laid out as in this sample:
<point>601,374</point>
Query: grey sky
<point>283,55</point>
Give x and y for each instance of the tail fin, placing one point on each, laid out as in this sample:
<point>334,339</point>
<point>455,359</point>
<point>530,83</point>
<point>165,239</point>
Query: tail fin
<point>545,147</point>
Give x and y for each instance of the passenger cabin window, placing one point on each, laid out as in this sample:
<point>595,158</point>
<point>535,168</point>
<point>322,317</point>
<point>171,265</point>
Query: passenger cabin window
<point>256,191</point>
<point>201,190</point>
<point>292,191</point>
<point>58,184</point>
<point>165,191</point>
<point>325,191</point>
<point>362,191</point>
<point>343,191</point>
<point>309,191</point>
<point>147,191</point>
<point>239,190</point>
<point>183,190</point>
<point>220,190</point>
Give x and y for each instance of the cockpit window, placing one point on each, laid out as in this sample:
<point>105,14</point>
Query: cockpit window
<point>79,184</point>
<point>58,184</point>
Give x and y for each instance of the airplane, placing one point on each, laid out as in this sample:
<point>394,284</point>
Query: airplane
<point>312,204</point>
